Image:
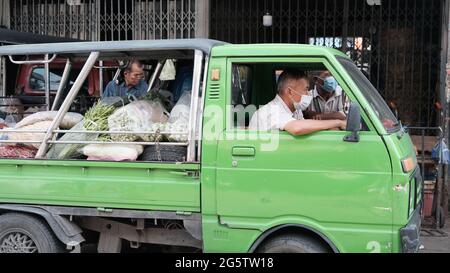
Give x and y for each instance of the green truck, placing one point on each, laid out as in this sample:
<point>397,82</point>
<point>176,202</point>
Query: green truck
<point>237,190</point>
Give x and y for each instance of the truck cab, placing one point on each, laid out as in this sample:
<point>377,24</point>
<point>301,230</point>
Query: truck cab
<point>268,177</point>
<point>236,189</point>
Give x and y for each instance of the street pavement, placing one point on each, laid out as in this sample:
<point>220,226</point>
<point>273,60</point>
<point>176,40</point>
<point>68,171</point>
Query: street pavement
<point>436,242</point>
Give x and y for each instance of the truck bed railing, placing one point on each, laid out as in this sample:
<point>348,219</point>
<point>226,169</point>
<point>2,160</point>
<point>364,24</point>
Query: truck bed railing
<point>99,142</point>
<point>94,132</point>
<point>86,142</point>
<point>192,143</point>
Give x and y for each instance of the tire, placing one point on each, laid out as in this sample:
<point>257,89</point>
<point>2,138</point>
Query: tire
<point>292,243</point>
<point>23,233</point>
<point>164,153</point>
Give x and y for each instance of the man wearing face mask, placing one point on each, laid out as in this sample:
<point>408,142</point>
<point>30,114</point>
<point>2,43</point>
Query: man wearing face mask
<point>328,99</point>
<point>284,112</point>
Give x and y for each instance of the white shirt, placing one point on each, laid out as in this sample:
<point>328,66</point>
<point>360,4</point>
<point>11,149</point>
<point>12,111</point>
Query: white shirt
<point>334,104</point>
<point>273,116</point>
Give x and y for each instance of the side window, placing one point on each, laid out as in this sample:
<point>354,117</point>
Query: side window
<point>254,85</point>
<point>241,84</point>
<point>241,95</point>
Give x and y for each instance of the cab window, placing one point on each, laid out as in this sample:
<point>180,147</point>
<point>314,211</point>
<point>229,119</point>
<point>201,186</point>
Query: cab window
<point>253,85</point>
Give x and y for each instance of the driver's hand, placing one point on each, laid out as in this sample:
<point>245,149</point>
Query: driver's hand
<point>342,124</point>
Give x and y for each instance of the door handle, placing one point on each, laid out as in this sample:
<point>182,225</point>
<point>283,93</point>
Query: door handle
<point>243,151</point>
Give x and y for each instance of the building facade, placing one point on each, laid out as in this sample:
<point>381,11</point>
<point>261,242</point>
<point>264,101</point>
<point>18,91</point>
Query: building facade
<point>398,43</point>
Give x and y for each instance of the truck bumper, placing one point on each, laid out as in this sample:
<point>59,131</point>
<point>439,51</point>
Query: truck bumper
<point>410,234</point>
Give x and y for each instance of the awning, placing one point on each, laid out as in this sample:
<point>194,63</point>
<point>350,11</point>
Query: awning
<point>12,37</point>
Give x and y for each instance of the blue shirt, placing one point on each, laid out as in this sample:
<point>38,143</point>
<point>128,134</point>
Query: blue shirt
<point>122,90</point>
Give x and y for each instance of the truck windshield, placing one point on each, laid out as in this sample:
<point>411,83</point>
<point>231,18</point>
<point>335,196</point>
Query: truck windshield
<point>37,78</point>
<point>371,94</point>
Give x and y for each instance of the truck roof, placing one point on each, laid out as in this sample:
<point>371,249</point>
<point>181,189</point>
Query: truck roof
<point>135,48</point>
<point>242,50</point>
<point>129,48</point>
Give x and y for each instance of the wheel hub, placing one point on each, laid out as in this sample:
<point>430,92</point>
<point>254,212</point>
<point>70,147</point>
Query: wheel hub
<point>17,242</point>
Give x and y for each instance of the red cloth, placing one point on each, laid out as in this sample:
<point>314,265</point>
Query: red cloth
<point>16,151</point>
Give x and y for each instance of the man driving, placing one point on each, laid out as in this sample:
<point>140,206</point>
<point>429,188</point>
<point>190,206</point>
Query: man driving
<point>284,112</point>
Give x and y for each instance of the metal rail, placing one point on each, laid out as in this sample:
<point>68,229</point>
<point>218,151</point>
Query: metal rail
<point>197,74</point>
<point>68,101</point>
<point>157,72</point>
<point>86,142</point>
<point>62,84</point>
<point>45,61</point>
<point>201,107</point>
<point>438,168</point>
<point>119,142</point>
<point>422,135</point>
<point>100,77</point>
<point>47,81</point>
<point>92,132</point>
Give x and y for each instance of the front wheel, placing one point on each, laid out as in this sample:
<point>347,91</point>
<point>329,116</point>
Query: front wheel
<point>292,243</point>
<point>22,233</point>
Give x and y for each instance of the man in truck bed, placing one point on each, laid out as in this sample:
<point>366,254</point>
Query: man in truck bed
<point>134,84</point>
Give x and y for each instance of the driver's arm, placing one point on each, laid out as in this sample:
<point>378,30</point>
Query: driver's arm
<point>333,115</point>
<point>307,126</point>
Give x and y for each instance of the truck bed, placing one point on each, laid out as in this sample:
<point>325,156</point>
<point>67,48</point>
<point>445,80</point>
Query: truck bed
<point>127,185</point>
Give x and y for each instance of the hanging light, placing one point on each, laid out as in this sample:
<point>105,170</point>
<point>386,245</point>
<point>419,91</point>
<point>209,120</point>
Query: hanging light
<point>267,20</point>
<point>73,2</point>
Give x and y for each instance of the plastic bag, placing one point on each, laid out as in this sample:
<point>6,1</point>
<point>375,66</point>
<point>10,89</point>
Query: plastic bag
<point>161,95</point>
<point>67,151</point>
<point>112,152</point>
<point>182,108</point>
<point>33,110</point>
<point>19,136</point>
<point>168,71</point>
<point>440,152</point>
<point>3,124</point>
<point>11,120</point>
<point>70,119</point>
<point>136,116</point>
<point>179,119</point>
<point>115,101</point>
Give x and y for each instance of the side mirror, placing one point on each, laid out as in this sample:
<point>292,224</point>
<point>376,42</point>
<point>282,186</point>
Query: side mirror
<point>353,123</point>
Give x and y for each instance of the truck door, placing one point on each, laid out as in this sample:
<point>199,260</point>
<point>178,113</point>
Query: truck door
<point>265,176</point>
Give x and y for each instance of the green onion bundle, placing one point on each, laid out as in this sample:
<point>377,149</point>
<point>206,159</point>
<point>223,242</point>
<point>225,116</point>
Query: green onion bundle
<point>96,119</point>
